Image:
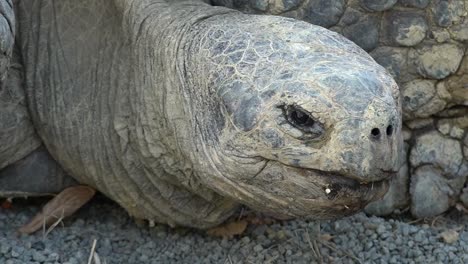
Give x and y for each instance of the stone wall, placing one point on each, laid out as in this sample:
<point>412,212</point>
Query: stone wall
<point>424,45</point>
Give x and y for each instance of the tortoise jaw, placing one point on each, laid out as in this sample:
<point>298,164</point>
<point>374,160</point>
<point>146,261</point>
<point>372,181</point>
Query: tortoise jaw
<point>339,203</point>
<point>314,194</point>
<point>344,195</point>
<point>348,194</point>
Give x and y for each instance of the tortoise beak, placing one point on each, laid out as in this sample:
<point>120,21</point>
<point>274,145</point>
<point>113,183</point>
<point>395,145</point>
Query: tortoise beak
<point>308,193</point>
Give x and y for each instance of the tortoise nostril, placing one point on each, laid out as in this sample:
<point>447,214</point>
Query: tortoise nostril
<point>375,132</point>
<point>389,130</point>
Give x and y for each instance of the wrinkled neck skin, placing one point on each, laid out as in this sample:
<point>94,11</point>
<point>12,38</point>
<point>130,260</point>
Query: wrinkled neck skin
<point>105,90</point>
<point>158,120</point>
<point>179,121</point>
<point>177,116</point>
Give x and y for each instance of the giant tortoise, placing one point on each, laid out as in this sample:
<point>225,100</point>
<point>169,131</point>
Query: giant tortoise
<point>181,112</point>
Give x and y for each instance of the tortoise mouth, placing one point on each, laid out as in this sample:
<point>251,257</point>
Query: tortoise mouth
<point>347,190</point>
<point>338,181</point>
<point>341,187</point>
<point>317,194</point>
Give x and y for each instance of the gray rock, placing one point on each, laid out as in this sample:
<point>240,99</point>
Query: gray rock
<point>465,147</point>
<point>457,84</point>
<point>419,237</point>
<point>4,248</point>
<point>404,28</point>
<point>429,193</point>
<point>460,32</point>
<point>406,133</point>
<point>440,35</point>
<point>15,253</point>
<point>453,127</point>
<point>239,3</point>
<point>442,152</point>
<point>394,60</point>
<point>446,13</point>
<point>324,13</point>
<point>290,4</point>
<point>464,200</point>
<point>351,16</point>
<point>364,33</point>
<point>261,5</point>
<point>420,99</point>
<point>378,5</point>
<point>282,6</point>
<point>436,61</point>
<point>226,3</point>
<point>258,248</point>
<point>38,256</point>
<point>415,3</point>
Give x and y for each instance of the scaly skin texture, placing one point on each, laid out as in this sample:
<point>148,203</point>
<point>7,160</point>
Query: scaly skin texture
<point>26,169</point>
<point>180,111</point>
<point>7,30</point>
<point>277,63</point>
<point>424,46</point>
<point>17,134</point>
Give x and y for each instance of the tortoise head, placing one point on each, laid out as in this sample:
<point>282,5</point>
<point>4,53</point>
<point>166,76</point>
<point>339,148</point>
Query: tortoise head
<point>303,122</point>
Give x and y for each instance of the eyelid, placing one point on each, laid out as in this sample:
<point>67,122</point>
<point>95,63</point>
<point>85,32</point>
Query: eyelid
<point>315,131</point>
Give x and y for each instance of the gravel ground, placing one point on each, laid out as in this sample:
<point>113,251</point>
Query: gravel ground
<point>357,239</point>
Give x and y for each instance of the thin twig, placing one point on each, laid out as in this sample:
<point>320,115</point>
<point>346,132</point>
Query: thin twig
<point>314,249</point>
<point>97,259</point>
<point>92,251</point>
<point>52,227</point>
<point>241,214</point>
<point>415,221</point>
<point>317,248</point>
<point>433,223</point>
<point>45,232</point>
<point>319,232</point>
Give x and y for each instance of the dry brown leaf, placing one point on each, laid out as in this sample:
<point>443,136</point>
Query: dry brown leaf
<point>228,230</point>
<point>449,236</point>
<point>64,204</point>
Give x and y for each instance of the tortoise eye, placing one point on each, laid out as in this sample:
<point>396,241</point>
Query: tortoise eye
<point>300,119</point>
<point>303,121</point>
